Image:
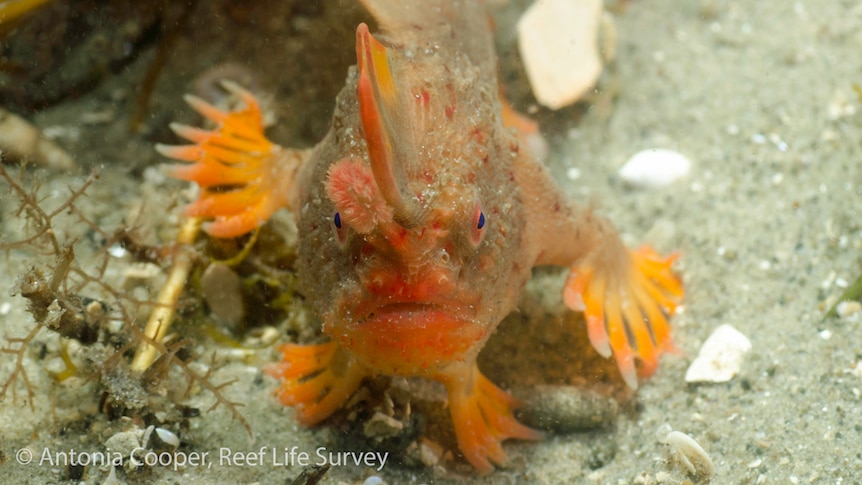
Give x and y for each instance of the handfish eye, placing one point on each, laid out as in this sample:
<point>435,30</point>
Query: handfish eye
<point>477,232</point>
<point>339,228</point>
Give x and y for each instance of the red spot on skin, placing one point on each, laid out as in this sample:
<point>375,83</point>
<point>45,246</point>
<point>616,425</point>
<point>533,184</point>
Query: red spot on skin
<point>557,206</point>
<point>478,134</point>
<point>396,238</point>
<point>450,108</point>
<point>423,98</point>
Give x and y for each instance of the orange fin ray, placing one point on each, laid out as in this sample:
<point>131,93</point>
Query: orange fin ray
<point>183,153</point>
<point>191,133</point>
<point>238,224</point>
<point>211,204</point>
<point>205,109</point>
<point>209,174</point>
<point>316,379</point>
<point>234,141</point>
<point>483,416</point>
<point>627,313</point>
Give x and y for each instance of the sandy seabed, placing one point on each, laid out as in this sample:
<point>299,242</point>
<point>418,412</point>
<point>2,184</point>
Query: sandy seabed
<point>759,95</point>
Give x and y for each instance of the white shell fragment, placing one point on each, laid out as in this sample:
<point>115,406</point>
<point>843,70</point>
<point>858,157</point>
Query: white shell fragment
<point>687,452</point>
<point>168,437</point>
<point>655,168</point>
<point>720,357</point>
<point>21,140</point>
<point>558,42</point>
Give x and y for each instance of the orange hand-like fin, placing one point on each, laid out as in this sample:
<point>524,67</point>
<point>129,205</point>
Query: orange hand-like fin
<point>483,416</point>
<point>316,379</point>
<point>380,111</point>
<point>233,164</point>
<point>628,314</point>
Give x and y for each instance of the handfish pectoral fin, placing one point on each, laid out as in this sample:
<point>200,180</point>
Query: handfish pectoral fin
<point>627,313</point>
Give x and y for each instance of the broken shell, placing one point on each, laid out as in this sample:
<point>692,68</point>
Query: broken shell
<point>382,426</point>
<point>20,140</point>
<point>558,41</point>
<point>687,451</point>
<point>720,357</point>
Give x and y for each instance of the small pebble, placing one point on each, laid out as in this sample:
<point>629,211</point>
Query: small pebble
<point>720,357</point>
<point>848,308</point>
<point>655,168</point>
<point>563,409</point>
<point>425,451</point>
<point>117,251</point>
<point>221,288</point>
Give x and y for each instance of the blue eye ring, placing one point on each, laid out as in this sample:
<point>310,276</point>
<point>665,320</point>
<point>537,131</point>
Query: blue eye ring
<point>337,220</point>
<point>481,222</point>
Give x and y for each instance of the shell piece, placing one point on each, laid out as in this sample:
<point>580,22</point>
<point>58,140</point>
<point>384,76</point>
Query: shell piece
<point>168,438</point>
<point>558,42</point>
<point>20,140</point>
<point>720,357</point>
<point>687,451</point>
<point>655,168</point>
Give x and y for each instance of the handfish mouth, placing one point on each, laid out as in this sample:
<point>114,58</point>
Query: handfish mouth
<point>400,309</point>
<point>410,338</point>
